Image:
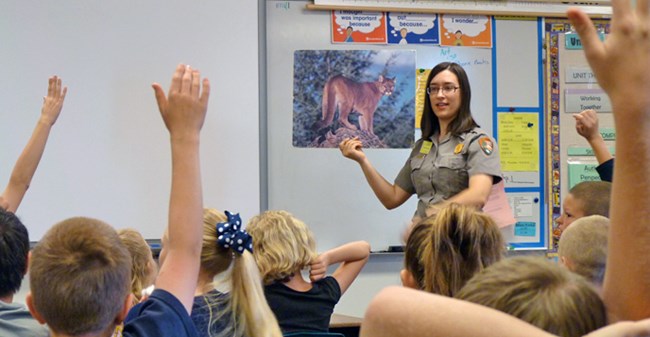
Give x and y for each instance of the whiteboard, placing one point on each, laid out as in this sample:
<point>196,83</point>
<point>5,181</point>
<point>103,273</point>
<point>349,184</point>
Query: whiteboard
<point>108,155</point>
<point>328,191</point>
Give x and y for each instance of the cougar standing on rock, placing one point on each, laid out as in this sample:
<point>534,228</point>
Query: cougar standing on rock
<point>349,95</point>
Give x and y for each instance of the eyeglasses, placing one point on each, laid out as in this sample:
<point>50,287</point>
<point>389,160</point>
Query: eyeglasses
<point>446,90</point>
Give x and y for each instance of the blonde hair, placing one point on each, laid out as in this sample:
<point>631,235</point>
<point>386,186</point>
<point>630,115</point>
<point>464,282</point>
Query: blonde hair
<point>413,251</point>
<point>463,241</point>
<point>584,243</point>
<point>248,311</point>
<point>282,245</point>
<point>539,292</point>
<point>79,276</point>
<point>141,258</point>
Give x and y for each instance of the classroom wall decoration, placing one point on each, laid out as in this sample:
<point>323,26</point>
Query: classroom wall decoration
<point>411,28</point>
<point>340,94</point>
<point>465,30</point>
<point>358,27</point>
<point>328,191</point>
<point>572,88</point>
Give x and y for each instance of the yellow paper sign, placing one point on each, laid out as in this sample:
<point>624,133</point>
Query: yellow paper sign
<point>519,142</point>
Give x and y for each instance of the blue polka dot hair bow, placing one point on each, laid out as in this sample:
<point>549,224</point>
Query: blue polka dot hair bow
<point>231,235</point>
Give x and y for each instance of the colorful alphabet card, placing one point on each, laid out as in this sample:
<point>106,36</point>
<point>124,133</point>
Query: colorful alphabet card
<point>358,27</point>
<point>465,30</point>
<point>411,28</point>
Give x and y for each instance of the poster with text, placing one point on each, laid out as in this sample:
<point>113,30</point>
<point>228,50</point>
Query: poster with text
<point>358,27</point>
<point>465,30</point>
<point>412,28</point>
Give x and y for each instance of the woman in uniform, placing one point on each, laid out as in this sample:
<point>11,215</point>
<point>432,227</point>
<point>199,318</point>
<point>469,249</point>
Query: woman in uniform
<point>454,161</point>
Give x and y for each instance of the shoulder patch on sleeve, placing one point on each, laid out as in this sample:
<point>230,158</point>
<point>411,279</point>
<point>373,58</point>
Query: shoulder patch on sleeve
<point>486,145</point>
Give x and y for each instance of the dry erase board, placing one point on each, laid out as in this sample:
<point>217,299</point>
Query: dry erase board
<point>328,191</point>
<point>108,155</point>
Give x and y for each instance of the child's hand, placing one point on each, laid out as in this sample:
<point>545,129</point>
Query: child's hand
<point>185,106</point>
<point>318,268</point>
<point>53,102</point>
<point>587,124</point>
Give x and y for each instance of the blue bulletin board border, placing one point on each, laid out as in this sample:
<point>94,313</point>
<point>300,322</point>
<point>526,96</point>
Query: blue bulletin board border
<point>496,109</point>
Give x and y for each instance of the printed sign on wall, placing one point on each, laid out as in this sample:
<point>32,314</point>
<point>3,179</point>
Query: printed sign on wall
<point>409,28</point>
<point>358,27</point>
<point>465,30</point>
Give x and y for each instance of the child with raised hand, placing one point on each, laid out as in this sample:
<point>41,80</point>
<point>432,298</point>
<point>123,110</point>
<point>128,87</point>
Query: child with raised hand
<point>587,127</point>
<point>15,319</point>
<point>243,311</point>
<point>283,247</point>
<point>26,165</point>
<point>80,270</point>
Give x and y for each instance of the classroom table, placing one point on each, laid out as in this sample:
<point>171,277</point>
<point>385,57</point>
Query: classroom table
<point>347,325</point>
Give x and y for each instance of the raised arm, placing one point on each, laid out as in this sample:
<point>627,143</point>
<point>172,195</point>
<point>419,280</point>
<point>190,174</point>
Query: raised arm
<point>587,127</point>
<point>390,195</point>
<point>352,257</point>
<point>26,165</point>
<point>183,111</point>
<point>404,312</point>
<point>622,66</point>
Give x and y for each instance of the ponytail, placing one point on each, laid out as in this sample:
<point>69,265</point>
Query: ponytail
<point>247,301</point>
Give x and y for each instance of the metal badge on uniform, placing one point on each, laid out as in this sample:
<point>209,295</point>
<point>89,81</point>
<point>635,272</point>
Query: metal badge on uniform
<point>426,147</point>
<point>458,148</point>
<point>485,143</point>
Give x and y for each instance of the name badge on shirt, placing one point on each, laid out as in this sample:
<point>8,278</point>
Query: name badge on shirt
<point>458,148</point>
<point>426,147</point>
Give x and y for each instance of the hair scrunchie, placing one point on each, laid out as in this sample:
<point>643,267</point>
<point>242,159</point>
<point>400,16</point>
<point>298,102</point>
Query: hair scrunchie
<point>232,235</point>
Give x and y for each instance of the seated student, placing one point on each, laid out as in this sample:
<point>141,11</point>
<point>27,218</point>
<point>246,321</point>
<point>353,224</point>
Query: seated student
<point>283,247</point>
<point>622,66</point>
<point>539,292</point>
<point>463,241</point>
<point>585,198</point>
<point>243,311</point>
<point>80,270</point>
<point>583,248</point>
<point>15,319</point>
<point>144,268</point>
<point>412,275</point>
<point>587,127</point>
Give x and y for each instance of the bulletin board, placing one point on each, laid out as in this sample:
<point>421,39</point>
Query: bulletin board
<point>329,192</point>
<point>572,88</point>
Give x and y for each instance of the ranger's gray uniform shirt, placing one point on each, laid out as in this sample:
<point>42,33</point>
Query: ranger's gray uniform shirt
<point>443,171</point>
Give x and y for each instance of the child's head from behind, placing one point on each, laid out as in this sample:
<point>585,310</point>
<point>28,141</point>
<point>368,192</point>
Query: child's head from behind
<point>539,292</point>
<point>80,276</point>
<point>282,245</point>
<point>144,269</point>
<point>14,248</point>
<point>585,198</point>
<point>226,244</point>
<point>583,247</point>
<point>413,273</point>
<point>463,241</point>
